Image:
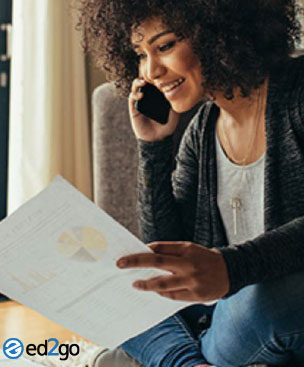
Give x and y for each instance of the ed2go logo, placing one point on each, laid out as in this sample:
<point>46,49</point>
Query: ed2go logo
<point>13,348</point>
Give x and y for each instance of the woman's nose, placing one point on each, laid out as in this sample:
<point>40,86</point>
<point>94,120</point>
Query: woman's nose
<point>154,68</point>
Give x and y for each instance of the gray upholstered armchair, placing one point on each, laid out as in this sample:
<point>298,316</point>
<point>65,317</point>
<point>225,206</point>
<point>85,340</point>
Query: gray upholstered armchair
<point>115,155</point>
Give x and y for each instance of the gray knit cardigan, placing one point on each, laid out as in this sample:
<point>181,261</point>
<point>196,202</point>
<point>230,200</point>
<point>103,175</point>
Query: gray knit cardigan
<point>183,205</point>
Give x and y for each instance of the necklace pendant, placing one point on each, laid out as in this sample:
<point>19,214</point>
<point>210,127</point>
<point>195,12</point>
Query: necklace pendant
<point>236,205</point>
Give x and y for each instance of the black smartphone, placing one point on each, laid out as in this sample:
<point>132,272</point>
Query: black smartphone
<point>153,104</point>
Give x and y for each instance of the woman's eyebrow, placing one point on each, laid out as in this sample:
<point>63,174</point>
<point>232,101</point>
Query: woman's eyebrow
<point>153,39</point>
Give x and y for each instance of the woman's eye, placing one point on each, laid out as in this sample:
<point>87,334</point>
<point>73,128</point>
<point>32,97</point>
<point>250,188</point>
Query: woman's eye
<point>163,48</point>
<point>167,46</point>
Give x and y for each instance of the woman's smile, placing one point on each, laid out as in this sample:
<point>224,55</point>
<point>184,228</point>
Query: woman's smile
<point>171,89</point>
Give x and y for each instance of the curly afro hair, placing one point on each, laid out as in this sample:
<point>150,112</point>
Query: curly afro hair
<point>237,41</point>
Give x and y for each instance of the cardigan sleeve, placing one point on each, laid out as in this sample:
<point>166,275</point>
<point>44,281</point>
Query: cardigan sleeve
<point>301,100</point>
<point>272,255</point>
<point>166,199</point>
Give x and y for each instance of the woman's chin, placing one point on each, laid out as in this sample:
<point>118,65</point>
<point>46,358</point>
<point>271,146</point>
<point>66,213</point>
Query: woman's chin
<point>182,107</point>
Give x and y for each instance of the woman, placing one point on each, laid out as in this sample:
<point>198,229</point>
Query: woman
<point>230,224</point>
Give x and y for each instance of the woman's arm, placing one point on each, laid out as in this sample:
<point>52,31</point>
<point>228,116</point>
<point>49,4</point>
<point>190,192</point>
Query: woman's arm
<point>166,200</point>
<point>272,255</point>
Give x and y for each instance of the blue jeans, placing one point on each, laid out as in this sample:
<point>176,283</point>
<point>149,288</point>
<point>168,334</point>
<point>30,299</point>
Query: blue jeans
<point>262,323</point>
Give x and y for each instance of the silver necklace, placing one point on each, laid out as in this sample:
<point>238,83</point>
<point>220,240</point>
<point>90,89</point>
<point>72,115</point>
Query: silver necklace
<point>235,201</point>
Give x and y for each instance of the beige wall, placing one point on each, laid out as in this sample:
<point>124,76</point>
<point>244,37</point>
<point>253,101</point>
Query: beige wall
<point>95,76</point>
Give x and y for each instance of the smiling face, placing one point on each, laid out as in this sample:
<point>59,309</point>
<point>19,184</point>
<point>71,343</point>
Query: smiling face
<point>169,64</point>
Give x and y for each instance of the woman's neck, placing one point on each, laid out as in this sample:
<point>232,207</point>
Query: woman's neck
<point>241,110</point>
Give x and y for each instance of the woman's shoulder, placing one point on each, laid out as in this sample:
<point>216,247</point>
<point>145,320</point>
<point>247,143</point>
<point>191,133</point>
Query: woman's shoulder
<point>193,133</point>
<point>296,61</point>
<point>286,93</point>
<point>199,126</point>
<point>288,81</point>
<point>295,70</point>
<point>202,116</point>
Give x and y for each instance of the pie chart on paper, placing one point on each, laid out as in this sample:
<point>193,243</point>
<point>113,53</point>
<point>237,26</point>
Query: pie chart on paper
<point>82,244</point>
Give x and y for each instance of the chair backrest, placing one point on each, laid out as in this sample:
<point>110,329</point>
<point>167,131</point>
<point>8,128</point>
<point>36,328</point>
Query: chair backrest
<point>115,157</point>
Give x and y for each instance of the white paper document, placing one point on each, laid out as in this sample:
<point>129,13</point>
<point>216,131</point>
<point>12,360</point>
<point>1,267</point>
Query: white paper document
<point>58,256</point>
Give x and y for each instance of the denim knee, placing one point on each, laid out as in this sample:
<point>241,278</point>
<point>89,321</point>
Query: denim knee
<point>260,321</point>
<point>270,309</point>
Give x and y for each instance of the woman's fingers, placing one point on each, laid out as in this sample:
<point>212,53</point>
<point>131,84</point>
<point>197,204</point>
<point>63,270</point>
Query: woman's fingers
<point>135,95</point>
<point>162,283</point>
<point>151,260</point>
<point>180,295</point>
<point>176,248</point>
<point>137,83</point>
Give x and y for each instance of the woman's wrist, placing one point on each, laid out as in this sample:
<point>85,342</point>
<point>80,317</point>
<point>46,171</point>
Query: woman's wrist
<point>155,150</point>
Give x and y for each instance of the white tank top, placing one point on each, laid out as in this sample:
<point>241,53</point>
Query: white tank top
<point>246,184</point>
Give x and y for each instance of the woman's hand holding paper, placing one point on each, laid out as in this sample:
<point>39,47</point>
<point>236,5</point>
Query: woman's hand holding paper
<point>198,274</point>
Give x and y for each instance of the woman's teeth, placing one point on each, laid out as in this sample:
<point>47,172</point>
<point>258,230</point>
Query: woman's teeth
<point>173,85</point>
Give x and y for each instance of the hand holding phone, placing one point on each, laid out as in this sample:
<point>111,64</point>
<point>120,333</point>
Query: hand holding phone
<point>148,122</point>
<point>153,104</point>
